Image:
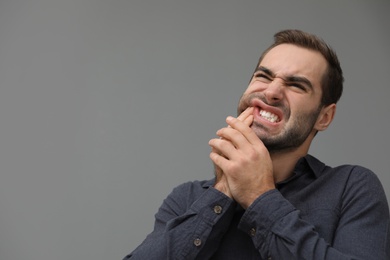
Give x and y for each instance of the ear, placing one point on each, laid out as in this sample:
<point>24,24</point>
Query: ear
<point>325,117</point>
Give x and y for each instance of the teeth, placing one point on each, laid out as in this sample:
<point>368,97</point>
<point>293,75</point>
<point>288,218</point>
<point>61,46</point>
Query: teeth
<point>269,116</point>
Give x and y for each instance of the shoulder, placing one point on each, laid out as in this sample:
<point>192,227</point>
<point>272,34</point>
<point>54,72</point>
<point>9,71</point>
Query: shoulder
<point>188,192</point>
<point>184,195</point>
<point>355,174</point>
<point>362,187</point>
<point>346,172</point>
<point>350,181</point>
<point>360,179</point>
<point>193,186</point>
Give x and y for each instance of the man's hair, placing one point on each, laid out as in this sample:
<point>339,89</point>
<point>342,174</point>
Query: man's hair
<point>332,81</point>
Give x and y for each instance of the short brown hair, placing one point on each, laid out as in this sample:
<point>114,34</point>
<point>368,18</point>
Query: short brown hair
<point>332,82</point>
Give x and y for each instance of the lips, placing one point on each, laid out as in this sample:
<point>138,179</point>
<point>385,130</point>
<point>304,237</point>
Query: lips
<point>267,113</point>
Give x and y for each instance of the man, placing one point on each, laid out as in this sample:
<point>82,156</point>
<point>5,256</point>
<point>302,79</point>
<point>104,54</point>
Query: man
<point>270,199</point>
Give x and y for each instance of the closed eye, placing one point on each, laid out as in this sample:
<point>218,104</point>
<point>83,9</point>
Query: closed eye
<point>299,83</point>
<point>299,86</point>
<point>262,76</point>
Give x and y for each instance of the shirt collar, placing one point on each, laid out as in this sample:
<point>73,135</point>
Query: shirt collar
<point>317,167</point>
<point>307,165</point>
<point>208,183</point>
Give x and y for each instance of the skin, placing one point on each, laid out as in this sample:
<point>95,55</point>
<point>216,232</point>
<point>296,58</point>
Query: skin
<point>252,153</point>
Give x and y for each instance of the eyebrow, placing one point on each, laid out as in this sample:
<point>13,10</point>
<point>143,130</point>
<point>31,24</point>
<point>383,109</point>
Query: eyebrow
<point>289,79</point>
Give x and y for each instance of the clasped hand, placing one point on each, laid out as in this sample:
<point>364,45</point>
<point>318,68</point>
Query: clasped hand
<point>243,165</point>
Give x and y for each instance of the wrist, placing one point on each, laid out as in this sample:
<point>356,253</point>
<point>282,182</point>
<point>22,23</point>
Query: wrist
<point>254,196</point>
<point>222,187</point>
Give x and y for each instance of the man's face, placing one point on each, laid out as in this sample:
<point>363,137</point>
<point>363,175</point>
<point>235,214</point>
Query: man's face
<point>286,92</point>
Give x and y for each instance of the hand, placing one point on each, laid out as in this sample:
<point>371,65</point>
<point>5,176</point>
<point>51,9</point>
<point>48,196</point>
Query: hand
<point>221,182</point>
<point>245,163</point>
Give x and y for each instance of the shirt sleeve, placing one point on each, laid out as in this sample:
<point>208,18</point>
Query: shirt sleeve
<point>278,232</point>
<point>189,225</point>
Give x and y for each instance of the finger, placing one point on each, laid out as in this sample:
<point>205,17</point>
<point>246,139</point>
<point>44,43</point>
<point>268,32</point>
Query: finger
<point>219,161</point>
<point>237,139</point>
<point>249,120</point>
<point>222,147</point>
<point>244,115</point>
<point>217,170</point>
<point>244,129</point>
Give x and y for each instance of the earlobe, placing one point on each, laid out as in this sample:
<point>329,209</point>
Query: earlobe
<point>325,117</point>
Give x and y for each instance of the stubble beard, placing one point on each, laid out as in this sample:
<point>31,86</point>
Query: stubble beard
<point>292,136</point>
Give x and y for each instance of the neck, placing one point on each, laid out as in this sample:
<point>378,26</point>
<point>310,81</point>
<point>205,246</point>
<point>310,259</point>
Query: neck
<point>284,161</point>
<point>284,164</point>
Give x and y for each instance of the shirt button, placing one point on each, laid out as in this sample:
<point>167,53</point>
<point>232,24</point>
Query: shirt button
<point>252,232</point>
<point>197,242</point>
<point>217,209</point>
<point>269,258</point>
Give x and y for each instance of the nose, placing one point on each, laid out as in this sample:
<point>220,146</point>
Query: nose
<point>274,91</point>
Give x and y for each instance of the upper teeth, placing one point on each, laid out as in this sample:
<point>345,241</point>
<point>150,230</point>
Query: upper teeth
<point>269,116</point>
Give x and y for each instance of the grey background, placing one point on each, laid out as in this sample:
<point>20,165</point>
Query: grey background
<point>105,106</point>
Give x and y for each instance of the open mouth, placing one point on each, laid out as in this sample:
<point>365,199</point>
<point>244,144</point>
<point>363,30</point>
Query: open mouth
<point>269,116</point>
<point>265,112</point>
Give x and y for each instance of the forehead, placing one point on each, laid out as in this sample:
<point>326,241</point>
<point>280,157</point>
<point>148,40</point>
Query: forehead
<point>288,59</point>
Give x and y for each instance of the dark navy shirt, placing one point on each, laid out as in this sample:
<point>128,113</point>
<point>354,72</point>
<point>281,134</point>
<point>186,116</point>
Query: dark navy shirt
<point>318,213</point>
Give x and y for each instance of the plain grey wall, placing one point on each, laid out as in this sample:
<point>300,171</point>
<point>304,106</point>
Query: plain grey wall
<point>105,106</point>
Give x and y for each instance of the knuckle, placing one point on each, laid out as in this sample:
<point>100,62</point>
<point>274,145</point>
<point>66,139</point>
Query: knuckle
<point>231,168</point>
<point>251,155</point>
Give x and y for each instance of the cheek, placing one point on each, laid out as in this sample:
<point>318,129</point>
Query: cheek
<point>303,114</point>
<point>255,86</point>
